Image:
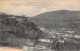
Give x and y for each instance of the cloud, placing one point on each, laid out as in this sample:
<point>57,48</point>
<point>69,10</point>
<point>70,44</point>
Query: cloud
<point>43,10</point>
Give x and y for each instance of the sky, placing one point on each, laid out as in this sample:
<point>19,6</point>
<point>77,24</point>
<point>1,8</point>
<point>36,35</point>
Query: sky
<point>34,7</point>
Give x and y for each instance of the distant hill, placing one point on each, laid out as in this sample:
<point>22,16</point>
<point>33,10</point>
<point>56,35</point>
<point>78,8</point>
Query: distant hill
<point>58,19</point>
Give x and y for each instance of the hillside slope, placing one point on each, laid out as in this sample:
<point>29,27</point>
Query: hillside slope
<point>16,28</point>
<point>58,19</point>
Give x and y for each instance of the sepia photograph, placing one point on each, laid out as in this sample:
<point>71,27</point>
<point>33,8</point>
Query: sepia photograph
<point>39,25</point>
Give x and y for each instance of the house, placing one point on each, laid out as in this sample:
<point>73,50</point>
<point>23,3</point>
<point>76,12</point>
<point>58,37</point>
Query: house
<point>77,36</point>
<point>45,40</point>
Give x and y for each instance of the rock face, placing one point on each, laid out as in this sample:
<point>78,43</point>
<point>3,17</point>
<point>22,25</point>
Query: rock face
<point>17,29</point>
